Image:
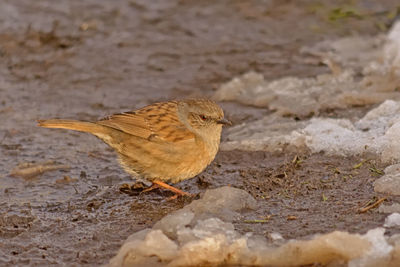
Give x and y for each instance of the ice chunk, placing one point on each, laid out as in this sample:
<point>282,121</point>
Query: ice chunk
<point>210,245</point>
<point>390,182</point>
<point>378,132</point>
<point>209,242</point>
<point>391,143</point>
<point>379,253</point>
<point>270,134</point>
<point>223,203</point>
<point>212,251</point>
<point>244,87</point>
<point>308,96</point>
<point>171,223</point>
<point>222,248</point>
<point>381,117</point>
<point>392,220</point>
<point>292,95</point>
<point>213,241</point>
<point>207,228</point>
<point>335,136</point>
<point>145,249</point>
<point>329,248</point>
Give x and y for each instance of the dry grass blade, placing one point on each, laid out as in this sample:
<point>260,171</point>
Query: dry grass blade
<point>256,221</point>
<point>264,220</point>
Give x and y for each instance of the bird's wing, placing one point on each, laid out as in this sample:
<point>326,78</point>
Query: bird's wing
<point>156,122</point>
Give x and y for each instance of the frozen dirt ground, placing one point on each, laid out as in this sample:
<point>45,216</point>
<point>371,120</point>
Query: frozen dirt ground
<point>88,59</point>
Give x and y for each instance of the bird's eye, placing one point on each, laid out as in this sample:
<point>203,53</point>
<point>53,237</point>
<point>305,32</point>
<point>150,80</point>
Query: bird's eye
<point>203,117</point>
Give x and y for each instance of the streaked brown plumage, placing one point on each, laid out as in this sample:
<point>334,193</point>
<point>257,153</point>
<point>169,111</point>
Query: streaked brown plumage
<point>163,142</point>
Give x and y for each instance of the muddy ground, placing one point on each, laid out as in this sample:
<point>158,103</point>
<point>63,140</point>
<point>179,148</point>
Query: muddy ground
<point>88,59</point>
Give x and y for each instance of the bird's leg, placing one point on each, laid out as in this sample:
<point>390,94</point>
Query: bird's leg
<point>171,188</point>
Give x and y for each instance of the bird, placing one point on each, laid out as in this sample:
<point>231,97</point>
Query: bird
<point>165,142</point>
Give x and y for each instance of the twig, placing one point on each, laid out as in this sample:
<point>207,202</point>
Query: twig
<point>28,170</point>
<point>374,205</point>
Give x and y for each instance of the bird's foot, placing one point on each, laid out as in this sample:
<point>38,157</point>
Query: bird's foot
<point>160,184</point>
<point>151,188</point>
<point>138,188</point>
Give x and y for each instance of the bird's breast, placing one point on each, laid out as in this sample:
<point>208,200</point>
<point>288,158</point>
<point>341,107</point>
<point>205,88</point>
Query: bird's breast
<point>197,158</point>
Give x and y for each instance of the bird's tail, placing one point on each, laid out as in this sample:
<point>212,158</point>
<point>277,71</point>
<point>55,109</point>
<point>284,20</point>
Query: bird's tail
<point>82,126</point>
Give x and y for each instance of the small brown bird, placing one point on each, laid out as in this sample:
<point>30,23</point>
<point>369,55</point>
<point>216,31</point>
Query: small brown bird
<point>163,142</point>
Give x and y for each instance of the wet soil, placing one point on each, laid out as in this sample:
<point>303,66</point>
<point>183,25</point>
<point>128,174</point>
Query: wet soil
<point>87,59</point>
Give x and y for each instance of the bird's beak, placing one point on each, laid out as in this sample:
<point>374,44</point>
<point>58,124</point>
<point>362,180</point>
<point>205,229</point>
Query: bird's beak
<point>224,122</point>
